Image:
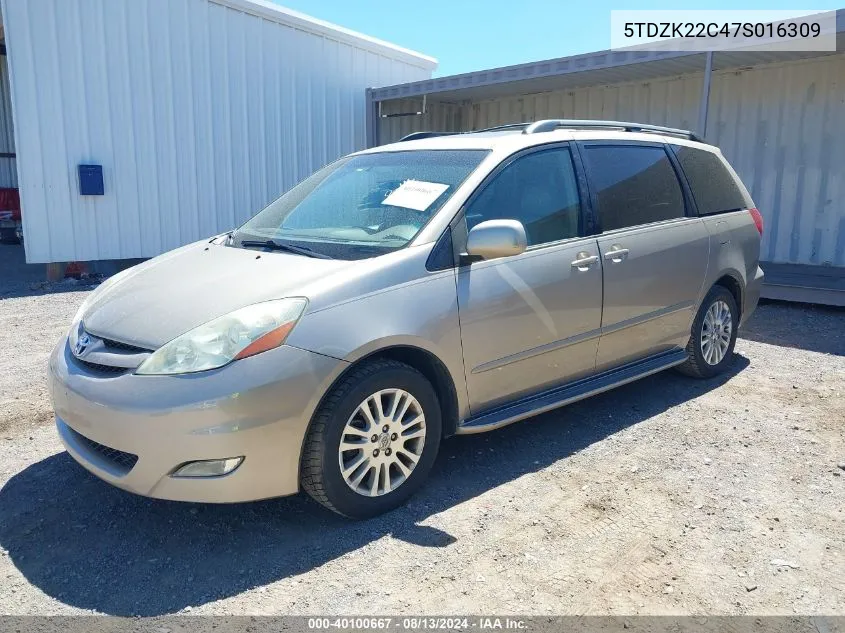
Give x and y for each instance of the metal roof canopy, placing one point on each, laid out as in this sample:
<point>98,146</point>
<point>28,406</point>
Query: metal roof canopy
<point>589,69</point>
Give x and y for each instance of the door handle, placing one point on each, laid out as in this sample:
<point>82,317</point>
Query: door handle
<point>616,254</point>
<point>584,261</point>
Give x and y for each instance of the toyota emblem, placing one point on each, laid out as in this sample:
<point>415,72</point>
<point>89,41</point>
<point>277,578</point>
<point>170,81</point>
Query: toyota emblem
<point>82,344</point>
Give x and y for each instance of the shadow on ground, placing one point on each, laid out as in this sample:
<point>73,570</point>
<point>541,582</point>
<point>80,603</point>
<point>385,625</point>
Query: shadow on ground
<point>798,325</point>
<point>92,546</point>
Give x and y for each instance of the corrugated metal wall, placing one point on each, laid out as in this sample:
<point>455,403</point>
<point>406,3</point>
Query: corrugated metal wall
<point>8,169</point>
<point>671,102</point>
<point>200,114</point>
<point>782,126</point>
<point>443,117</point>
<point>783,129</point>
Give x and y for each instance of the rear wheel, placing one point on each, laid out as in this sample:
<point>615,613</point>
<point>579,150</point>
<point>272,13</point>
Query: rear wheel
<point>711,346</point>
<point>373,441</point>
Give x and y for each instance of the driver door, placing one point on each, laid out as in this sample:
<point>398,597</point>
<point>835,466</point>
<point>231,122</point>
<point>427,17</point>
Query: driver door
<point>531,321</point>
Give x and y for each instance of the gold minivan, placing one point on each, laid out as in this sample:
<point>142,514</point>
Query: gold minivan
<point>445,284</point>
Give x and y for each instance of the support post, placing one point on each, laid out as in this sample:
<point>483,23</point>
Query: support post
<point>371,123</point>
<point>705,95</point>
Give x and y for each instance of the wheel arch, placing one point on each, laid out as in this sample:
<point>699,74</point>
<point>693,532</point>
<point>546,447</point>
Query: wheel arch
<point>435,371</point>
<point>732,281</point>
<point>425,362</point>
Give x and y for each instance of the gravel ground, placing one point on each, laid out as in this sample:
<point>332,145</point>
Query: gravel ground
<point>34,314</point>
<point>667,496</point>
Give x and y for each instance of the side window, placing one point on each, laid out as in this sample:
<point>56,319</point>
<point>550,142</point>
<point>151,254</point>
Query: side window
<point>714,188</point>
<point>634,184</point>
<point>539,190</point>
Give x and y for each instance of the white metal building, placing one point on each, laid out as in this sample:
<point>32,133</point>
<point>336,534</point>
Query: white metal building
<point>199,113</point>
<point>779,117</point>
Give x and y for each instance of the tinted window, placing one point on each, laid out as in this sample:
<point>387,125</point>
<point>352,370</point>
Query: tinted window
<point>634,185</point>
<point>539,190</point>
<point>712,185</point>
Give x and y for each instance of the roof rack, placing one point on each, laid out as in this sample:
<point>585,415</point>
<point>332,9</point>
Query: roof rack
<point>548,125</point>
<point>496,128</point>
<point>554,124</point>
<point>415,136</point>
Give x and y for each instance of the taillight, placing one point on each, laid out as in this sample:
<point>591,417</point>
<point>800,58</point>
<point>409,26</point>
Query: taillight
<point>758,219</point>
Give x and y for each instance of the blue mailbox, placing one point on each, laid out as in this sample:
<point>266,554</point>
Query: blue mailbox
<point>91,180</point>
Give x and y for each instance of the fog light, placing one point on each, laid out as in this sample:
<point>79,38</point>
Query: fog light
<point>209,467</point>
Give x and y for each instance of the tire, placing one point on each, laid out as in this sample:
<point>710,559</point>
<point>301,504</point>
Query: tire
<point>698,363</point>
<point>341,417</point>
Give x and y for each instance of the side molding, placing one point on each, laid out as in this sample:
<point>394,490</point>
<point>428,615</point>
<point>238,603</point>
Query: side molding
<point>571,392</point>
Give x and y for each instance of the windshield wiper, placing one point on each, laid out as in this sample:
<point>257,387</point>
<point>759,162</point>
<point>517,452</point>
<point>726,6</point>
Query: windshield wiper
<point>278,246</point>
<point>226,237</point>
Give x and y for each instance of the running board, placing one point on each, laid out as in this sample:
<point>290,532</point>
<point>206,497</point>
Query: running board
<point>571,392</point>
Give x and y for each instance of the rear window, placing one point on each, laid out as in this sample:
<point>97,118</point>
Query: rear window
<point>634,185</point>
<point>713,187</point>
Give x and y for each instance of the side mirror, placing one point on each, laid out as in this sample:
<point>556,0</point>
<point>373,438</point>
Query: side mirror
<point>496,238</point>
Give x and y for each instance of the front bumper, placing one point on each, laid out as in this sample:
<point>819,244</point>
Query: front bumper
<point>135,431</point>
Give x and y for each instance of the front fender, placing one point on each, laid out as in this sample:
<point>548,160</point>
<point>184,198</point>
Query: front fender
<point>421,314</point>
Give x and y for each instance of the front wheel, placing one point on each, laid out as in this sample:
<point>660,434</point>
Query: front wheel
<point>373,441</point>
<point>711,346</point>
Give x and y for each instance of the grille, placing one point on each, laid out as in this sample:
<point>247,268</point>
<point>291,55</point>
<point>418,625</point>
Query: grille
<point>124,346</point>
<point>102,369</point>
<point>115,348</point>
<point>122,462</point>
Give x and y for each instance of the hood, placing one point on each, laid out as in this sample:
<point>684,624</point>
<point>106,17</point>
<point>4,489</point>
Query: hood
<point>158,300</point>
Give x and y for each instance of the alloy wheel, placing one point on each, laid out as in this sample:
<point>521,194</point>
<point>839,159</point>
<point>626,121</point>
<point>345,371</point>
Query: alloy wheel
<point>716,331</point>
<point>382,442</point>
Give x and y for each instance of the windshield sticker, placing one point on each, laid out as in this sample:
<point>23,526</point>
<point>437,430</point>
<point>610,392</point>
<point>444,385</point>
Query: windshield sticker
<point>415,194</point>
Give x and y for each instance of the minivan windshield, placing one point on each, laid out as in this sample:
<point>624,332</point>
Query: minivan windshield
<point>361,206</point>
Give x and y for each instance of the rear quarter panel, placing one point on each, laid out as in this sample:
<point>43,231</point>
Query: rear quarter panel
<point>734,251</point>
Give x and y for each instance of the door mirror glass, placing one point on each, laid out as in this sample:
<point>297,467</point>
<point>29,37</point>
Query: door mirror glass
<point>496,238</point>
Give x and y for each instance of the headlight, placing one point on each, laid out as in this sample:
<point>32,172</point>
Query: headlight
<point>239,334</point>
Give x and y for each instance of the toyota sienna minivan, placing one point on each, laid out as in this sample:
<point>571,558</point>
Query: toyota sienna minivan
<point>441,285</point>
